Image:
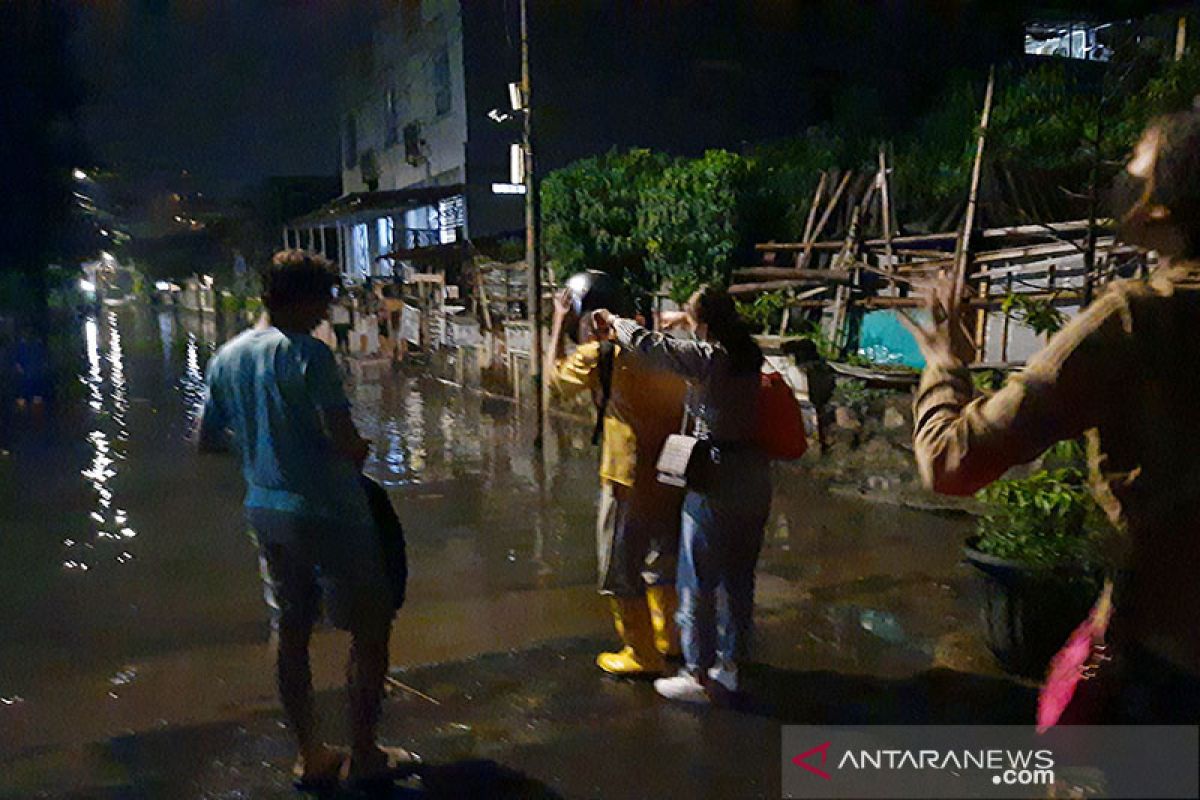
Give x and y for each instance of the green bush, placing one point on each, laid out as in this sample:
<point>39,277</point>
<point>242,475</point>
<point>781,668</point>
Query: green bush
<point>590,215</point>
<point>765,311</point>
<point>692,220</point>
<point>785,174</point>
<point>232,304</point>
<point>1046,519</point>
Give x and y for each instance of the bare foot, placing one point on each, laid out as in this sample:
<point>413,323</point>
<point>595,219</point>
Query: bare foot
<point>319,768</point>
<point>380,764</point>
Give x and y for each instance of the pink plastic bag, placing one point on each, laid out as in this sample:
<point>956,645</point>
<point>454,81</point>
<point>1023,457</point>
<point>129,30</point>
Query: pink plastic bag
<point>1074,662</point>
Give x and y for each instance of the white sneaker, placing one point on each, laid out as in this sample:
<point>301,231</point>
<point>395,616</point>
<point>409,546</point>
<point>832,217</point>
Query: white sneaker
<point>726,675</point>
<point>684,688</point>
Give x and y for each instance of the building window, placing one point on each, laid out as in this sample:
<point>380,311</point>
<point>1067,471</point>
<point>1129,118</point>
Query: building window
<point>1079,40</point>
<point>387,235</point>
<point>361,245</point>
<point>452,216</point>
<point>413,144</point>
<point>441,81</point>
<point>391,120</point>
<point>421,227</point>
<point>350,143</point>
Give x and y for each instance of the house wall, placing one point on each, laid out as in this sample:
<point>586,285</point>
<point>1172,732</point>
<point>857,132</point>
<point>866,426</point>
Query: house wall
<point>403,90</point>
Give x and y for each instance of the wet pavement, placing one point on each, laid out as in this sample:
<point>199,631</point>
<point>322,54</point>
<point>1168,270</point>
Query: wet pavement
<point>133,636</point>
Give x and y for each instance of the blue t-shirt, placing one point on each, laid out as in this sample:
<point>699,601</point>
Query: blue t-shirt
<point>269,388</point>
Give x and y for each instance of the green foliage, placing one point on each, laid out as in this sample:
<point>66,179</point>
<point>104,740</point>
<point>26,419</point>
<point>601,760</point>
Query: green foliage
<point>1043,118</point>
<point>986,380</point>
<point>693,220</point>
<point>933,165</point>
<point>232,304</point>
<point>1047,518</point>
<point>1038,314</point>
<point>765,311</point>
<point>786,173</point>
<point>590,215</point>
<point>857,396</point>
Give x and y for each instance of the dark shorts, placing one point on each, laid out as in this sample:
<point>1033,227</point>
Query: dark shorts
<point>310,564</point>
<point>637,537</point>
<point>342,333</point>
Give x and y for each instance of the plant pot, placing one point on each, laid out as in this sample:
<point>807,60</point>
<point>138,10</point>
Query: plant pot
<point>1028,612</point>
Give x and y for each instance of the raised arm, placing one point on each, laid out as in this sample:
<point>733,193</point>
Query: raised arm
<point>691,359</point>
<point>963,444</point>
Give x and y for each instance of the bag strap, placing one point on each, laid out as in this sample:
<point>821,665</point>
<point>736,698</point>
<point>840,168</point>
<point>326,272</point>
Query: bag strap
<point>683,421</point>
<point>608,352</point>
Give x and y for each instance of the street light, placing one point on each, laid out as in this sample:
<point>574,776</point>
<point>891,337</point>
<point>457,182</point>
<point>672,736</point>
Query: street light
<point>79,174</point>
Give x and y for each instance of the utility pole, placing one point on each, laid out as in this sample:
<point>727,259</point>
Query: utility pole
<point>533,251</point>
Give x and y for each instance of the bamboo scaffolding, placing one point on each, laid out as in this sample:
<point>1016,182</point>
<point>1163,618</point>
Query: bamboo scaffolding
<point>886,209</point>
<point>809,233</point>
<point>806,256</point>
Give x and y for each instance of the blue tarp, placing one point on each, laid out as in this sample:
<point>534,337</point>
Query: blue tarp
<point>884,340</point>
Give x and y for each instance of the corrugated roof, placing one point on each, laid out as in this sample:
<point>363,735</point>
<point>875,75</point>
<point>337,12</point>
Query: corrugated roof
<point>356,205</point>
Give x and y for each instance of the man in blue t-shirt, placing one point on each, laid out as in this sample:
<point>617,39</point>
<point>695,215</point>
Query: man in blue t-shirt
<point>277,389</point>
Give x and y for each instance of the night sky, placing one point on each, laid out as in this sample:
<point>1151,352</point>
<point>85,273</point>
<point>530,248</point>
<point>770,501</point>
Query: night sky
<point>231,90</point>
<point>237,90</point>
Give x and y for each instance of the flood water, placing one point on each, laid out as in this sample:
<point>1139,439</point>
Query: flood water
<point>131,597</point>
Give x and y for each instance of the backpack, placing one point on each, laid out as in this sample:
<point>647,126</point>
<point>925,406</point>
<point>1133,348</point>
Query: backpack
<point>391,538</point>
<point>608,353</point>
<point>780,420</point>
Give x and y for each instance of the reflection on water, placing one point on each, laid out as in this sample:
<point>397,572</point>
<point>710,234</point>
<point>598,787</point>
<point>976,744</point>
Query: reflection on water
<point>108,402</point>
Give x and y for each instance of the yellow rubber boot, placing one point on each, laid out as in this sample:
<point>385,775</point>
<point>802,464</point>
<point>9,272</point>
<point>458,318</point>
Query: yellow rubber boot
<point>639,656</point>
<point>664,602</point>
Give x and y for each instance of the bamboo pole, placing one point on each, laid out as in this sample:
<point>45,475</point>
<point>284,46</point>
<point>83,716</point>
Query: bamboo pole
<point>886,203</point>
<point>847,256</point>
<point>812,214</point>
<point>963,254</point>
<point>833,201</point>
<point>1007,323</point>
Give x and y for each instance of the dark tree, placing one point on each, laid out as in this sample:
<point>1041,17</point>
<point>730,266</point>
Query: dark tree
<point>39,145</point>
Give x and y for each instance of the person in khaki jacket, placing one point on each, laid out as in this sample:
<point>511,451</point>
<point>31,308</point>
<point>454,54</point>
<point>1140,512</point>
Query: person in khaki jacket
<point>637,527</point>
<point>1124,373</point>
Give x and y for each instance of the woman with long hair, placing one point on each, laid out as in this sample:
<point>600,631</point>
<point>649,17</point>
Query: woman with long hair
<point>729,486</point>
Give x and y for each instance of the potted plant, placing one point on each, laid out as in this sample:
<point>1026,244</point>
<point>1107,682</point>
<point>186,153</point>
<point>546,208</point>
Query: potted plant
<point>1039,548</point>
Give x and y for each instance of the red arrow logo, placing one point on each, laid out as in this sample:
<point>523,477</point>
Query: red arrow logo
<point>823,749</point>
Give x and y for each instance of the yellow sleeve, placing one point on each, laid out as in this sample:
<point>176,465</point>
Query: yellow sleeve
<point>579,370</point>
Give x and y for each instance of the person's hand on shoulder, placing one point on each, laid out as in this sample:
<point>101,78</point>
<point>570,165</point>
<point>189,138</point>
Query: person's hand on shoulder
<point>602,324</point>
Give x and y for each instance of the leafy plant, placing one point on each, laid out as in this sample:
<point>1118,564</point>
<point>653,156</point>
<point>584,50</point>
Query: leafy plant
<point>857,396</point>
<point>693,220</point>
<point>231,304</point>
<point>1046,519</point>
<point>591,214</point>
<point>765,311</point>
<point>1040,315</point>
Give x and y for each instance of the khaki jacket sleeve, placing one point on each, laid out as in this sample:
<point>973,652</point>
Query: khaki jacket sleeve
<point>962,444</point>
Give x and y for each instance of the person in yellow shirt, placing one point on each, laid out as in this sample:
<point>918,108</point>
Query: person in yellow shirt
<point>637,527</point>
